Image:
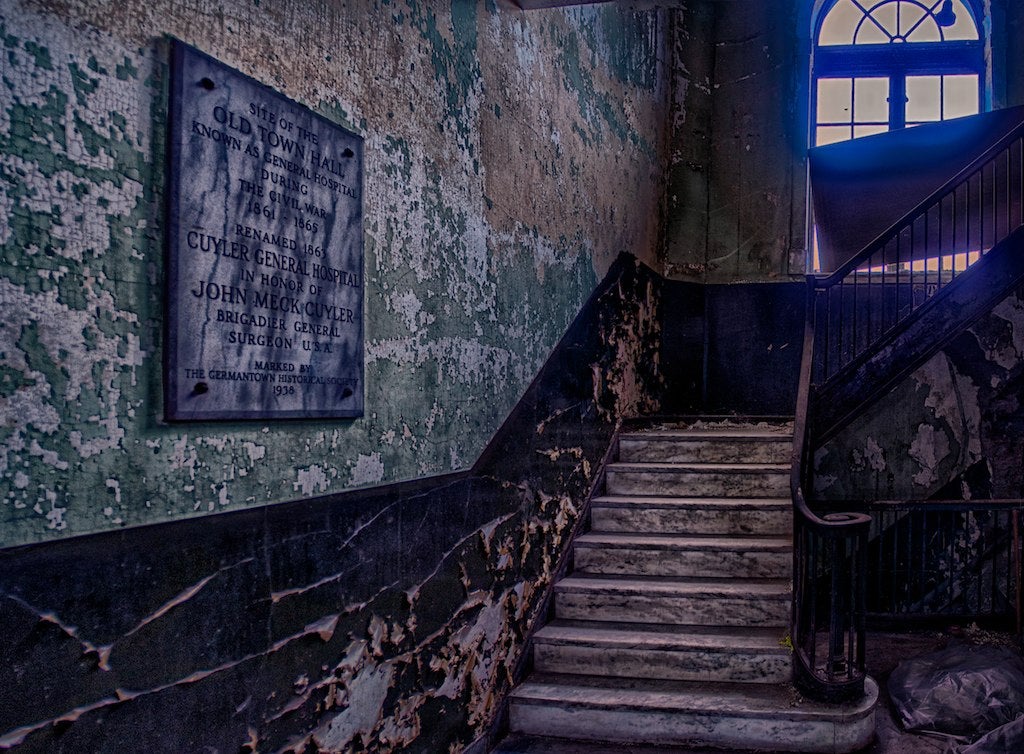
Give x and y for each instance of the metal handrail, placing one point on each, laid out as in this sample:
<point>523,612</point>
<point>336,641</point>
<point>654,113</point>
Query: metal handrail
<point>829,546</point>
<point>829,550</point>
<point>857,260</point>
<point>874,294</point>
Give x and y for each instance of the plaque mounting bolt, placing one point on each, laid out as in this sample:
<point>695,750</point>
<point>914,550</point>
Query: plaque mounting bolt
<point>200,388</point>
<point>207,83</point>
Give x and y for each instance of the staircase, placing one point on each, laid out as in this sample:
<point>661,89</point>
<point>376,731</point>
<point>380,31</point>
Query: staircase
<point>672,628</point>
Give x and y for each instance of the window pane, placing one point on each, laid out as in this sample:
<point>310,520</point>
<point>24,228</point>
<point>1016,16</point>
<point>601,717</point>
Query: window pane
<point>831,134</point>
<point>839,24</point>
<point>870,33</point>
<point>884,17</point>
<point>964,28</point>
<point>924,98</point>
<point>835,99</point>
<point>859,131</point>
<point>916,25</point>
<point>871,100</point>
<point>959,96</point>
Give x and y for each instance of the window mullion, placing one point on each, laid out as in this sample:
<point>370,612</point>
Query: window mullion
<point>897,101</point>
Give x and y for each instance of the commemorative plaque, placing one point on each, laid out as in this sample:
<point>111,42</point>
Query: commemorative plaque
<point>265,258</point>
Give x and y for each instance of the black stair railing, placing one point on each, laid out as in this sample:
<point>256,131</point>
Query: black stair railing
<point>950,559</point>
<point>851,314</point>
<point>827,624</point>
<point>877,290</point>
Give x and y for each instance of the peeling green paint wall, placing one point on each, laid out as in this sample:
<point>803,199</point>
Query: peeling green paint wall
<point>510,157</point>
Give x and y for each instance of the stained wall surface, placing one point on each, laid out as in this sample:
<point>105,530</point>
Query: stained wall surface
<point>736,197</point>
<point>509,158</point>
<point>960,411</point>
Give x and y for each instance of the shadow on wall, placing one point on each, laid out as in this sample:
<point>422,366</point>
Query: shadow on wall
<point>732,349</point>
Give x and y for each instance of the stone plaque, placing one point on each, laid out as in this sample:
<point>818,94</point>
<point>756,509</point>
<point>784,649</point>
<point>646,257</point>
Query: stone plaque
<point>265,263</point>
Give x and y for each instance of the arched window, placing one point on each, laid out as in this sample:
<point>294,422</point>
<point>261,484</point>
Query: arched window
<point>879,65</point>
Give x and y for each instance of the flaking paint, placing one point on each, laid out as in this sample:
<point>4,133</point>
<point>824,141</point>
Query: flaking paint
<point>509,158</point>
<point>958,410</point>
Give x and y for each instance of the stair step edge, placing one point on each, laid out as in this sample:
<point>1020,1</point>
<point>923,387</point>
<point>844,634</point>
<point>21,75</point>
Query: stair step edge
<point>686,542</point>
<point>715,643</point>
<point>699,467</point>
<point>696,435</point>
<point>709,503</point>
<point>709,588</point>
<point>753,701</point>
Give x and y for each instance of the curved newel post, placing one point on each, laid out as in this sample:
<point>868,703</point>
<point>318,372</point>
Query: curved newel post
<point>827,626</point>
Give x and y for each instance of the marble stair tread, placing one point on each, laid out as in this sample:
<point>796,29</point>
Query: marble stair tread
<point>671,586</point>
<point>781,431</point>
<point>699,467</point>
<point>608,635</point>
<point>713,480</point>
<point>717,424</point>
<point>685,447</point>
<point>517,743</point>
<point>738,543</point>
<point>723,504</point>
<point>764,701</point>
<point>706,436</point>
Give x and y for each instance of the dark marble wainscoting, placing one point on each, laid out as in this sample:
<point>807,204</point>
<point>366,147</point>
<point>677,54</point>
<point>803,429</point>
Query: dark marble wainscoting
<point>386,619</point>
<point>732,349</point>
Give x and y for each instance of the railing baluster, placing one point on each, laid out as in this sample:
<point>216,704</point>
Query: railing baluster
<point>854,315</point>
<point>951,557</point>
<point>870,306</point>
<point>885,293</point>
<point>1019,567</point>
<point>1007,205</point>
<point>813,607</point>
<point>981,214</point>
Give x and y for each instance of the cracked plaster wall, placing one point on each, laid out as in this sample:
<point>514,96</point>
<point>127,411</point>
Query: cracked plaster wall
<point>961,409</point>
<point>737,185</point>
<point>510,157</point>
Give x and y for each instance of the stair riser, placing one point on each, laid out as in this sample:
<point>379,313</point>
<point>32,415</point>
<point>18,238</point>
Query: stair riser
<point>678,665</point>
<point>701,611</point>
<point>626,561</point>
<point>671,727</point>
<point>716,451</point>
<point>697,484</point>
<point>667,521</point>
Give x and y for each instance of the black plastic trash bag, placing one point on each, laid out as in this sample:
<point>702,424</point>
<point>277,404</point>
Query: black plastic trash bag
<point>1006,739</point>
<point>963,690</point>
